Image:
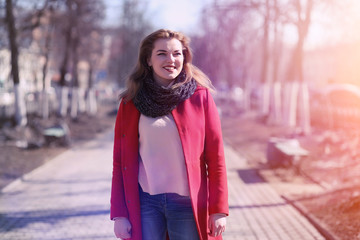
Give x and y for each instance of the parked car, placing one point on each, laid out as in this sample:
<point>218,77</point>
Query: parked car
<point>336,106</point>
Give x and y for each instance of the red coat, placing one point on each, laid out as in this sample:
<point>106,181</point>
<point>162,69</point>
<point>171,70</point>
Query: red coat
<point>199,128</point>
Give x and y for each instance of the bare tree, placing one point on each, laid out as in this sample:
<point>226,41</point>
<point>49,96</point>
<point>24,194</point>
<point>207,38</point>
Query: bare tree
<point>297,88</point>
<point>275,114</point>
<point>89,16</point>
<point>45,43</point>
<point>78,21</point>
<point>65,25</point>
<point>92,52</point>
<point>133,27</point>
<point>20,107</point>
<point>223,34</point>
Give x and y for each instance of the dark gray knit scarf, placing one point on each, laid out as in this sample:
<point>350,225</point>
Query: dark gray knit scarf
<point>154,100</point>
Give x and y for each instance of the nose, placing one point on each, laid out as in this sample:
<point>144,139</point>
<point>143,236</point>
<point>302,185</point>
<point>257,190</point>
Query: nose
<point>170,58</point>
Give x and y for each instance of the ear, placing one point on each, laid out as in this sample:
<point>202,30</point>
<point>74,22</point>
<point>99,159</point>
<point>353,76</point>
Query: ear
<point>149,62</point>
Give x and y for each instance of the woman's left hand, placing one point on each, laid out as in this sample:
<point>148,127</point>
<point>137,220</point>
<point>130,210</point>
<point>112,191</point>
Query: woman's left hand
<point>217,223</point>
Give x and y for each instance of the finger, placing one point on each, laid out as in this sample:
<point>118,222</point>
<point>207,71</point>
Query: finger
<point>212,232</point>
<point>218,231</point>
<point>211,228</point>
<point>124,236</point>
<point>221,231</point>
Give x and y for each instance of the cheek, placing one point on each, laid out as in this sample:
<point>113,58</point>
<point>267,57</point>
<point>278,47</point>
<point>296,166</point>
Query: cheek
<point>180,62</point>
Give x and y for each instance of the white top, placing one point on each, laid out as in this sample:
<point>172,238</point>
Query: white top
<point>161,164</point>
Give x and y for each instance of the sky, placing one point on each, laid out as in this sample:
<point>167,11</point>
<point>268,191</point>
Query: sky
<point>178,15</point>
<point>184,15</point>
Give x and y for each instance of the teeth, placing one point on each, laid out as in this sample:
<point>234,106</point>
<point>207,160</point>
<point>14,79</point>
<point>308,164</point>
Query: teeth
<point>169,68</point>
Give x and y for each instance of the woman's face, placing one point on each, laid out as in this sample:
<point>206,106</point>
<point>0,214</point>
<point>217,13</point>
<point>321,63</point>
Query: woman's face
<point>166,60</point>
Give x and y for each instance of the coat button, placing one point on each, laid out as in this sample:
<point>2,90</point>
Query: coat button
<point>123,135</point>
<point>124,168</point>
<point>128,201</point>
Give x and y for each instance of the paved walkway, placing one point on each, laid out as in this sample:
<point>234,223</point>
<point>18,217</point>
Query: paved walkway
<point>68,198</point>
<point>257,212</point>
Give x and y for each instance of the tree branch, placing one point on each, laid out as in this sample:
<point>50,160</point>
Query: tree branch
<point>38,14</point>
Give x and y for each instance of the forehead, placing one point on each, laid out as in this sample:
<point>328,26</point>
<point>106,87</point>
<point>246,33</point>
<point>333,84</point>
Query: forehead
<point>167,44</point>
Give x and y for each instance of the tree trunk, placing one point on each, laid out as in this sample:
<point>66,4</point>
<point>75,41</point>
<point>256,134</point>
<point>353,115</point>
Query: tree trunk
<point>291,91</point>
<point>304,108</point>
<point>275,103</point>
<point>63,74</point>
<point>45,99</point>
<point>75,96</point>
<point>265,103</point>
<point>45,104</point>
<point>82,101</point>
<point>91,102</point>
<point>74,102</point>
<point>91,98</point>
<point>63,107</point>
<point>20,106</point>
<point>296,69</point>
<point>247,95</point>
<point>276,96</point>
<point>64,89</point>
<point>265,98</point>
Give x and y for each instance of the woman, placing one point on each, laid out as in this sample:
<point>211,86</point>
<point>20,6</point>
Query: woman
<point>169,174</point>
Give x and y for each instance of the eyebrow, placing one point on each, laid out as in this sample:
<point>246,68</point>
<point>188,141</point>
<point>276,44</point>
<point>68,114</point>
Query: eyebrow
<point>161,50</point>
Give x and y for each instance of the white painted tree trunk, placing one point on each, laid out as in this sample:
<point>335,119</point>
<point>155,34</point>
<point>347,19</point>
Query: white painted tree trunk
<point>20,106</point>
<point>74,102</point>
<point>290,103</point>
<point>81,100</point>
<point>45,104</point>
<point>265,99</point>
<point>247,93</point>
<point>64,101</point>
<point>91,102</point>
<point>275,103</point>
<point>304,108</point>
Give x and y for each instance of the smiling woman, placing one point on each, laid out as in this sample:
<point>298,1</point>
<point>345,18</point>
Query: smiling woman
<point>169,174</point>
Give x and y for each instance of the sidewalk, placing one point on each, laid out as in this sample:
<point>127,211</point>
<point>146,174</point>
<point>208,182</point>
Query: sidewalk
<point>68,198</point>
<point>257,211</point>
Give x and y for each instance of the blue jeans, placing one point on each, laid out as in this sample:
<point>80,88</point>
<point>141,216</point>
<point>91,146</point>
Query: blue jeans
<point>167,212</point>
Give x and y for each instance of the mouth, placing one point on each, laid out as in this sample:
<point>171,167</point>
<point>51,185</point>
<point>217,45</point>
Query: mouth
<point>170,68</point>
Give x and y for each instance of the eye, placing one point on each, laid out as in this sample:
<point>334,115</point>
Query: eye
<point>177,54</point>
<point>161,54</point>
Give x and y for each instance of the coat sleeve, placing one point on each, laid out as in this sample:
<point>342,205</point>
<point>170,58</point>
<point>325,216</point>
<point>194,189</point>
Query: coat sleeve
<point>215,159</point>
<point>118,206</point>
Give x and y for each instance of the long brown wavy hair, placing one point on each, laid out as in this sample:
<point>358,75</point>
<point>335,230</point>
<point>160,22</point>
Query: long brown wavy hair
<point>142,69</point>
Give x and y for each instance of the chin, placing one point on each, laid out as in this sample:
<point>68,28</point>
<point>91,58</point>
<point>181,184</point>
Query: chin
<point>173,76</point>
<point>170,77</point>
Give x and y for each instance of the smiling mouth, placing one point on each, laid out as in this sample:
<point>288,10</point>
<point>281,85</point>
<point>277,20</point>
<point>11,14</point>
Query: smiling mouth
<point>170,68</point>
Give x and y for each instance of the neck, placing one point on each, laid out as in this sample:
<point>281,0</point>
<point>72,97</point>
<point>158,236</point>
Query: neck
<point>163,82</point>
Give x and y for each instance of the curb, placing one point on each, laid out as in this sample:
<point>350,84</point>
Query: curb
<point>321,227</point>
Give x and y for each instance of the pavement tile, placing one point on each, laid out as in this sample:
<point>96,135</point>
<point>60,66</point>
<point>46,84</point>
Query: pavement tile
<point>256,209</point>
<point>67,198</point>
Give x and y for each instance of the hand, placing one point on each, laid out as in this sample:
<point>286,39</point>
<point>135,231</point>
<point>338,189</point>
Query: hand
<point>217,224</point>
<point>122,228</point>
